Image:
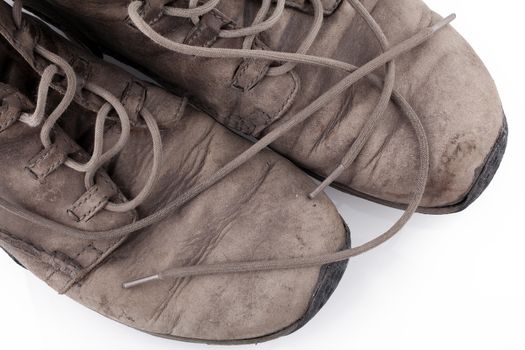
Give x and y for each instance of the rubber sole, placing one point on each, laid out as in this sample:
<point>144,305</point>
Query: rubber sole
<point>329,277</point>
<point>485,174</point>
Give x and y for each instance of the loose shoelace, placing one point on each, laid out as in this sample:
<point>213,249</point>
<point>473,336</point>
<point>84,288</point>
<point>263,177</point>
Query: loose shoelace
<point>355,74</point>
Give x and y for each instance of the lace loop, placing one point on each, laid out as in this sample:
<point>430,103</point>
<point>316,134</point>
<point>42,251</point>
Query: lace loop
<point>258,26</point>
<point>98,158</point>
<point>67,99</point>
<point>155,168</point>
<point>36,118</point>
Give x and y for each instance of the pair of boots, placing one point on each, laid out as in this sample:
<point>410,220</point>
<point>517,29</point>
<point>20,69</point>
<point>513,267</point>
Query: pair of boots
<point>168,212</point>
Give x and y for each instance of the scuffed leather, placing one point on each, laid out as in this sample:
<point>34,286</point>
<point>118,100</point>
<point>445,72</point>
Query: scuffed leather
<point>444,80</point>
<point>259,212</point>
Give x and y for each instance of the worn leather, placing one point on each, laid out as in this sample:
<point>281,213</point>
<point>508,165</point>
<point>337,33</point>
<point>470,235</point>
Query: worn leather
<point>259,212</point>
<point>444,80</point>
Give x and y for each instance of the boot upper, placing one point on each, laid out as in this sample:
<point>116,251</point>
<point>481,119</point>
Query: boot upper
<point>443,80</point>
<point>259,212</point>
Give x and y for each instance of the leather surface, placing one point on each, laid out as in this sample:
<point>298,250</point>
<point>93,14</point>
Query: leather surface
<point>444,80</point>
<point>259,212</point>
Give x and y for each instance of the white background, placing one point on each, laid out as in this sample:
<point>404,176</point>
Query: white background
<point>449,282</point>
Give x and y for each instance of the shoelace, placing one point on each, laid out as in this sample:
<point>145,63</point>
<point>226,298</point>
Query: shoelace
<point>259,24</point>
<point>356,74</point>
<point>291,58</point>
<point>98,158</point>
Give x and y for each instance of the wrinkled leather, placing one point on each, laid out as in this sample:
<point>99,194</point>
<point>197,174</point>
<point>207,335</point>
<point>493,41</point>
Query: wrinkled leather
<point>443,79</point>
<point>260,211</point>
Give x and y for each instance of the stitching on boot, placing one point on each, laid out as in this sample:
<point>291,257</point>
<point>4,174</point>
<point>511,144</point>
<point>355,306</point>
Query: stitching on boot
<point>40,168</point>
<point>111,247</point>
<point>57,261</point>
<point>196,33</point>
<point>291,97</point>
<point>78,210</point>
<point>260,68</point>
<point>133,99</point>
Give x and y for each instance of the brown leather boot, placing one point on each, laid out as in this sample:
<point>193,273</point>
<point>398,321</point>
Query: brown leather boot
<point>352,133</point>
<point>153,194</point>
